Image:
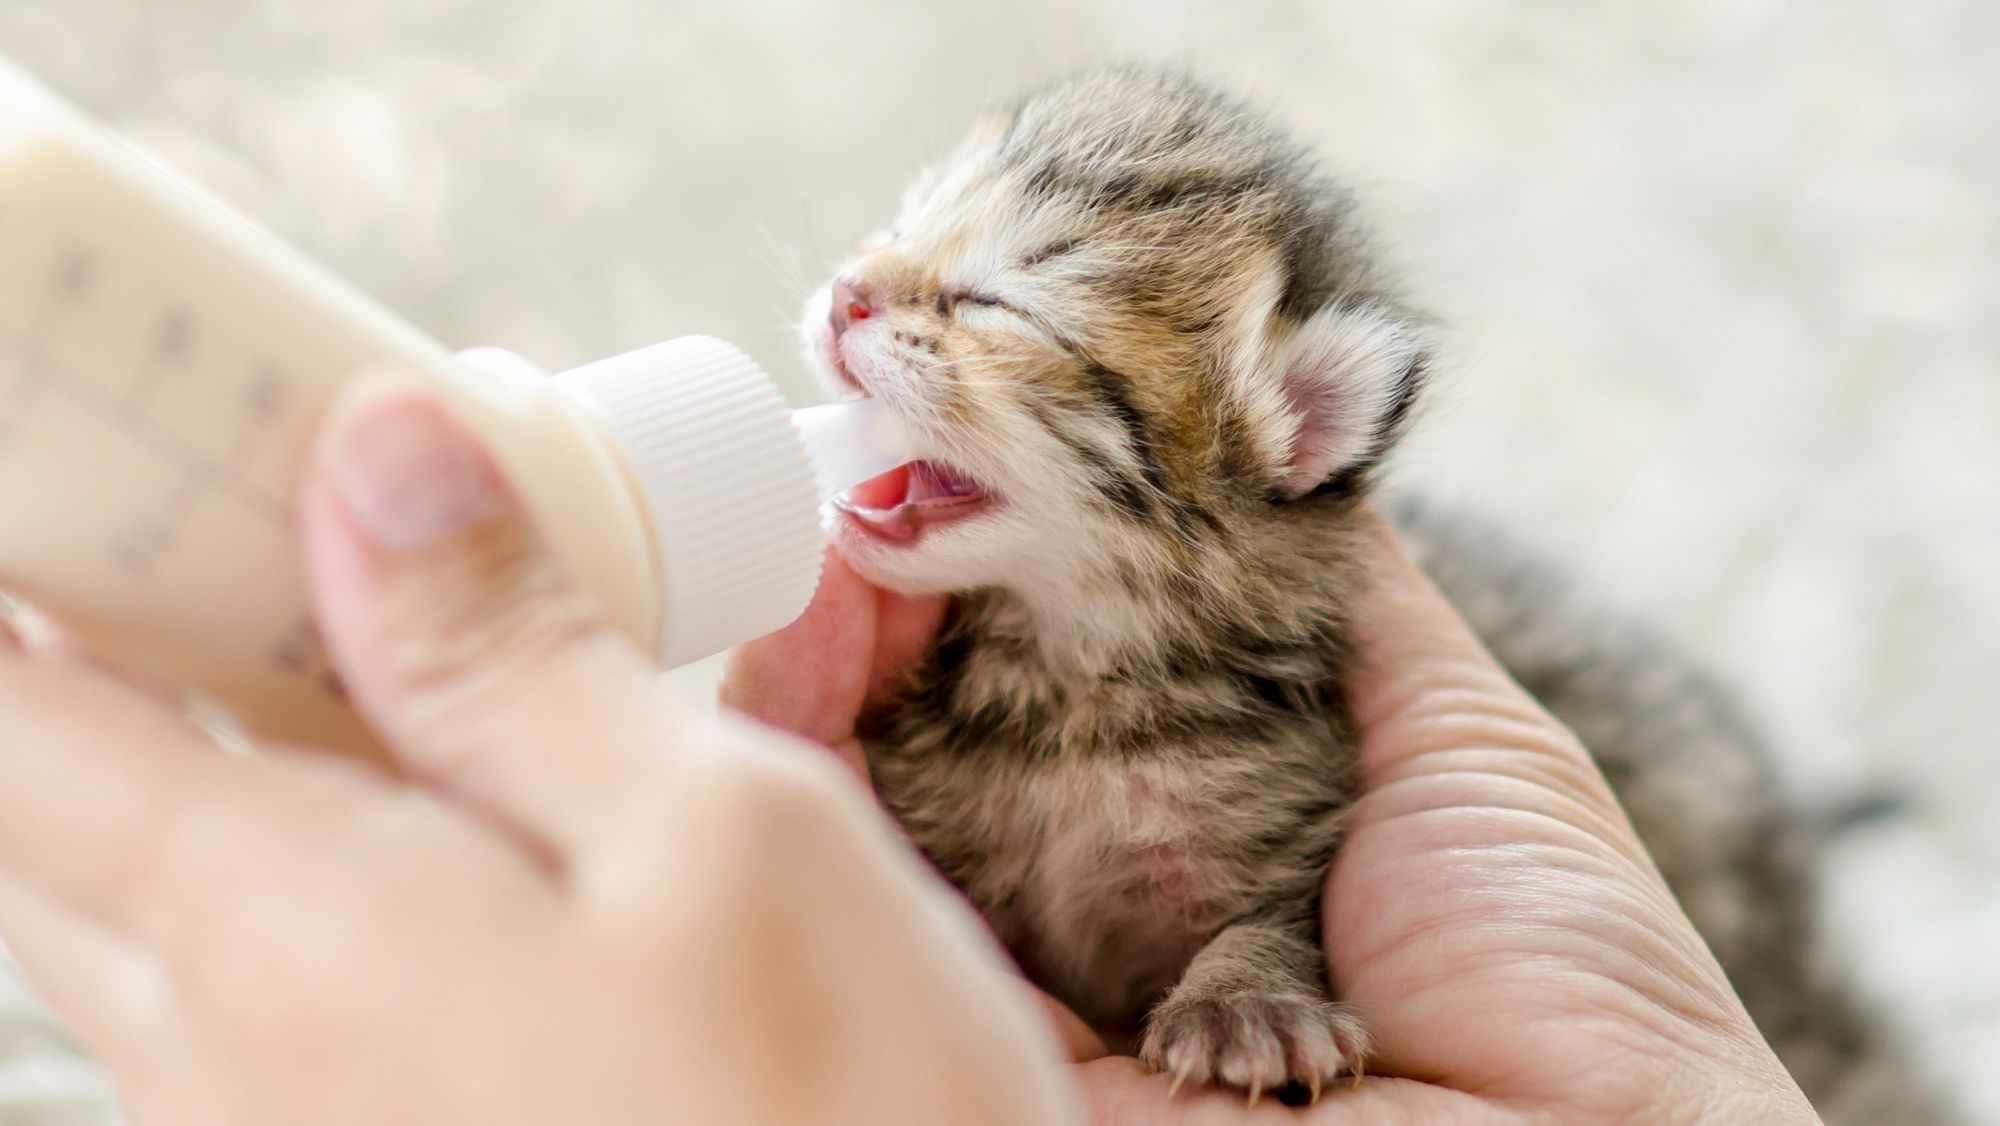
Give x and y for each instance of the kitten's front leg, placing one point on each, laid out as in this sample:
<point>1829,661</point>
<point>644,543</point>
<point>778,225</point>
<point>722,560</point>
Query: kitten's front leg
<point>1252,1011</point>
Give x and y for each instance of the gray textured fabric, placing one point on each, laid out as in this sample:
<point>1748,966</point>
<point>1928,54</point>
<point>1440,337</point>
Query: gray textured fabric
<point>1720,277</point>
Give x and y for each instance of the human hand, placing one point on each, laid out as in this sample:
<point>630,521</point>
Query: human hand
<point>815,677</point>
<point>1495,919</point>
<point>583,902</point>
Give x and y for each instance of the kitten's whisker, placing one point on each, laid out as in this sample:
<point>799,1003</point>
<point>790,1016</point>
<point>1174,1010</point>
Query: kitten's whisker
<point>782,260</point>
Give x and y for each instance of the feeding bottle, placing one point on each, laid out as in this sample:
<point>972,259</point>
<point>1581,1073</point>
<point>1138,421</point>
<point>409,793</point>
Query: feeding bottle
<point>163,364</point>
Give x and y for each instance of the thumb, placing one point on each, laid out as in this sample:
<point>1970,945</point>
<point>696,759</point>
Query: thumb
<point>1487,847</point>
<point>1426,691</point>
<point>456,633</point>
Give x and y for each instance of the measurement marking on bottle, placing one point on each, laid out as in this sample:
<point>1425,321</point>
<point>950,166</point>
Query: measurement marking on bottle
<point>171,341</point>
<point>70,283</point>
<point>299,652</point>
<point>265,398</point>
<point>75,271</point>
<point>139,550</point>
<point>266,392</point>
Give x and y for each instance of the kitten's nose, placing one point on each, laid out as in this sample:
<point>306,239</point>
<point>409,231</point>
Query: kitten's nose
<point>852,301</point>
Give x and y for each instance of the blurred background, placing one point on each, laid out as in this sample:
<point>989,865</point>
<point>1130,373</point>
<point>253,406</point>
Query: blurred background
<point>1721,280</point>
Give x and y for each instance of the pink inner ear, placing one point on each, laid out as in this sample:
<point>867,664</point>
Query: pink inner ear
<point>1345,370</point>
<point>1310,456</point>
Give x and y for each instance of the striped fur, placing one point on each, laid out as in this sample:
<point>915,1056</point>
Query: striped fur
<point>1143,319</point>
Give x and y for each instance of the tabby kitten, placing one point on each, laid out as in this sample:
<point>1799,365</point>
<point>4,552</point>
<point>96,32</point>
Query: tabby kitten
<point>1150,369</point>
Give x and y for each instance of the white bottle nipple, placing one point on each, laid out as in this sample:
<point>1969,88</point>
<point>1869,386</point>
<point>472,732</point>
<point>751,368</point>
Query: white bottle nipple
<point>849,442</point>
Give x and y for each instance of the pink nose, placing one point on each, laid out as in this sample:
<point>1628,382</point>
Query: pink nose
<point>852,301</point>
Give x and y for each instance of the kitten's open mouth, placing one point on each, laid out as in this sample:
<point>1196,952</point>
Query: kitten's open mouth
<point>901,503</point>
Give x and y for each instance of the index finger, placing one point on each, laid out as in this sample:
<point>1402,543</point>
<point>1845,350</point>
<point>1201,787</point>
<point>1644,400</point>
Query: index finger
<point>110,804</point>
<point>814,677</point>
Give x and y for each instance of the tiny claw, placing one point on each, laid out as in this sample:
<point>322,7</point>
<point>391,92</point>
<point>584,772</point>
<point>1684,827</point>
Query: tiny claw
<point>1256,1090</point>
<point>1359,1070</point>
<point>1174,1087</point>
<point>1312,1085</point>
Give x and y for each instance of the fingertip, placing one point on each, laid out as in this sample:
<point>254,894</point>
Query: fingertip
<point>841,603</point>
<point>906,627</point>
<point>836,571</point>
<point>405,473</point>
<point>1396,583</point>
<point>1079,1040</point>
<point>807,677</point>
<point>1404,627</point>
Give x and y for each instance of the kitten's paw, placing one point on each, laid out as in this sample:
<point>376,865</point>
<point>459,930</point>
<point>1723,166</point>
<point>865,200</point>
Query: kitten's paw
<point>1254,1040</point>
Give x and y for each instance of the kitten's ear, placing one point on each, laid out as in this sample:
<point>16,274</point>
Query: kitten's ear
<point>1339,388</point>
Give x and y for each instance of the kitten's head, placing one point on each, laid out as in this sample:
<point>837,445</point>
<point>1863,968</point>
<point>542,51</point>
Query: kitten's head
<point>1131,330</point>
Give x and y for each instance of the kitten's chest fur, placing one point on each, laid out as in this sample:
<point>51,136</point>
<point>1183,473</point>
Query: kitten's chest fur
<point>1107,825</point>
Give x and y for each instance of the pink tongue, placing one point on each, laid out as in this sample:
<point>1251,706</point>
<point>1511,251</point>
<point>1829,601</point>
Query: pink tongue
<point>900,503</point>
<point>931,481</point>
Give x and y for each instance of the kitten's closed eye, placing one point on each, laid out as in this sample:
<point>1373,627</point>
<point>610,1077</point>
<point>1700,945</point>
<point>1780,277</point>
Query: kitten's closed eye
<point>949,301</point>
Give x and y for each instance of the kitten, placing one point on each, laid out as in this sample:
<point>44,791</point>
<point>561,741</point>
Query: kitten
<point>1152,367</point>
<point>1142,338</point>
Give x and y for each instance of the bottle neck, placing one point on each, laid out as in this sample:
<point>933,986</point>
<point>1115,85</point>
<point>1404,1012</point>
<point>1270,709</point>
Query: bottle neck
<point>724,480</point>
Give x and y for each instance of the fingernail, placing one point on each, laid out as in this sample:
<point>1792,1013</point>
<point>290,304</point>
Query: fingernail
<point>406,473</point>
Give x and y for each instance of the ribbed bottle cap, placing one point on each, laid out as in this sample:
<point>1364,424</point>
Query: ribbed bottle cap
<point>731,495</point>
